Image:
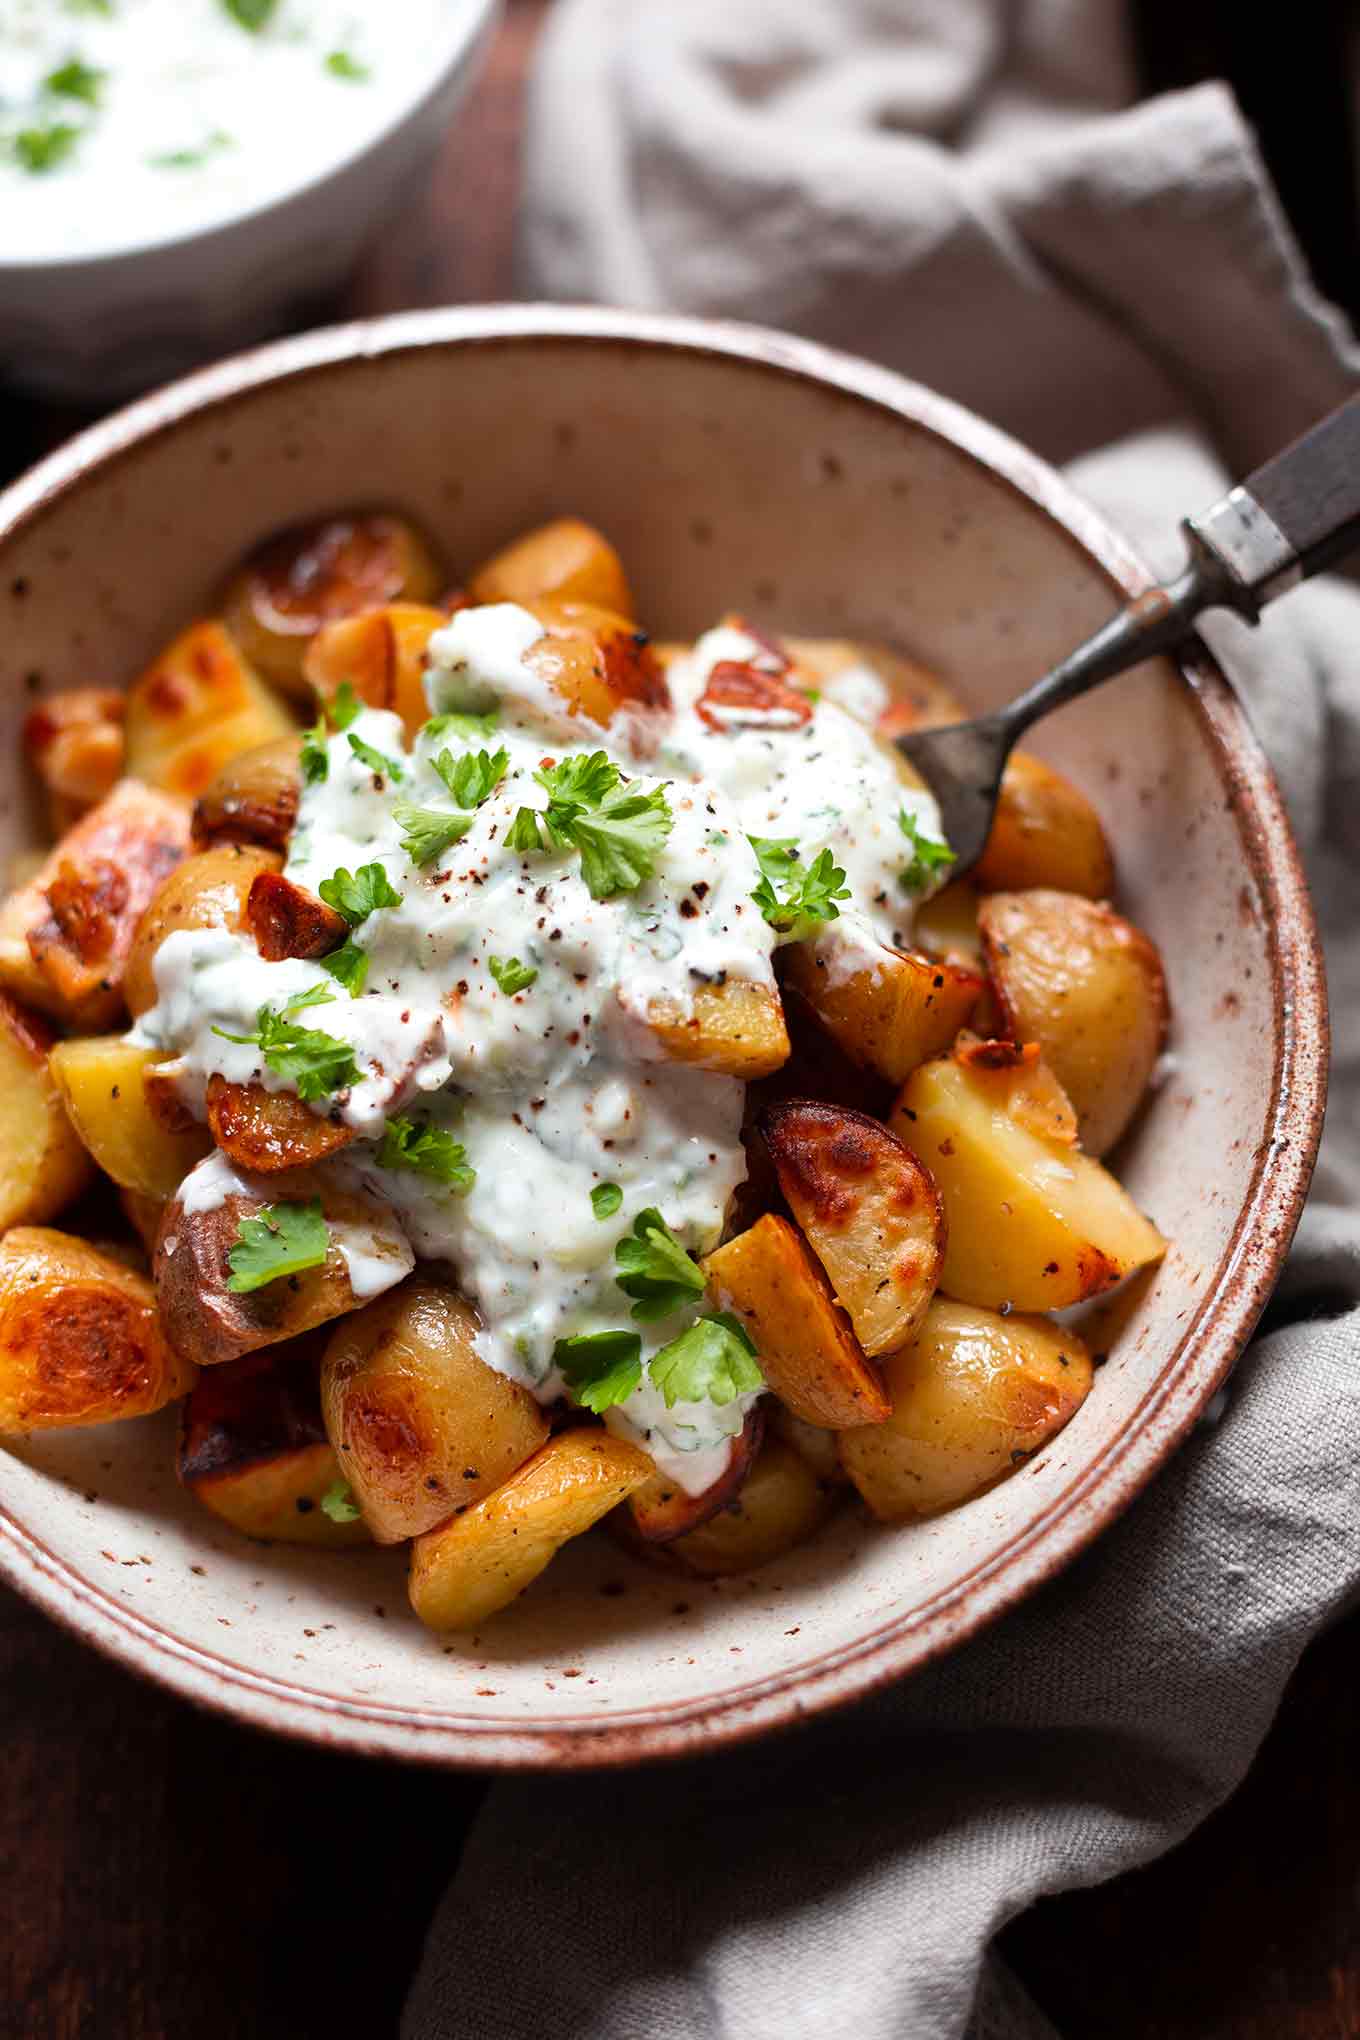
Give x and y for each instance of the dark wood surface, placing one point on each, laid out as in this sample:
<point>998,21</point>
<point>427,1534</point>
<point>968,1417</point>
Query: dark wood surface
<point>164,1874</point>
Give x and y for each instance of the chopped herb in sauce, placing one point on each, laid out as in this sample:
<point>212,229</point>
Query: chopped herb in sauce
<point>282,1239</point>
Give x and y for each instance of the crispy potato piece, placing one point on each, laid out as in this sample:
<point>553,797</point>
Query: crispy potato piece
<point>381,653</point>
<point>65,937</point>
<point>1046,833</point>
<point>208,890</point>
<point>808,1353</point>
<point>43,1164</point>
<point>973,1396</point>
<point>267,1131</point>
<point>1033,1223</point>
<point>887,1008</point>
<point>80,1342</point>
<point>211,1323</point>
<point>314,573</point>
<point>919,697</point>
<point>253,1449</point>
<point>947,924</point>
<point>144,1215</point>
<point>103,1083</point>
<point>736,1028</point>
<point>660,1510</point>
<point>422,1426</point>
<point>812,1444</point>
<point>870,1212</point>
<point>287,920</point>
<point>1088,987</point>
<point>597,662</point>
<point>74,742</point>
<point>197,706</point>
<point>779,1505</point>
<point>472,1566</point>
<point>253,799</point>
<point>564,561</point>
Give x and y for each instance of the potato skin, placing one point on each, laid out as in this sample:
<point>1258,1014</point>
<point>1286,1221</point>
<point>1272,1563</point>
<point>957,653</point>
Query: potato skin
<point>74,742</point>
<point>421,1426</point>
<point>736,1028</point>
<point>1046,833</point>
<point>381,654</point>
<point>43,1163</point>
<point>779,1505</point>
<point>198,705</point>
<point>659,1510</point>
<point>208,890</point>
<point>1089,988</point>
<point>103,1081</point>
<point>80,1341</point>
<point>253,798</point>
<point>890,1009</point>
<point>564,561</point>
<point>269,1131</point>
<point>287,920</point>
<point>974,1394</point>
<point>595,661</point>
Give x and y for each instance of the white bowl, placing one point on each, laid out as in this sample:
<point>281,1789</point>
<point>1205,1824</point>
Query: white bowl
<point>102,326</point>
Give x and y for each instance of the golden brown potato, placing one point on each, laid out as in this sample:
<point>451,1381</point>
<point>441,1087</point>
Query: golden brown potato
<point>808,1353</point>
<point>208,890</point>
<point>889,1009</point>
<point>947,924</point>
<point>253,1449</point>
<point>65,937</point>
<point>472,1566</point>
<point>973,1396</point>
<point>314,573</point>
<point>253,799</point>
<point>381,654</point>
<point>565,561</point>
<point>919,697</point>
<point>287,920</point>
<point>1046,833</point>
<point>1034,1224</point>
<point>74,742</point>
<point>779,1505</point>
<point>197,706</point>
<point>80,1342</point>
<point>103,1084</point>
<point>268,1131</point>
<point>43,1165</point>
<point>736,1028</point>
<point>812,1444</point>
<point>660,1510</point>
<point>421,1425</point>
<point>144,1215</point>
<point>596,661</point>
<point>1088,987</point>
<point>870,1212</point>
<point>209,1321</point>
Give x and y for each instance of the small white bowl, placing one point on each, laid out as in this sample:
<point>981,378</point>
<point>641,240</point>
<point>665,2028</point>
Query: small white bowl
<point>106,325</point>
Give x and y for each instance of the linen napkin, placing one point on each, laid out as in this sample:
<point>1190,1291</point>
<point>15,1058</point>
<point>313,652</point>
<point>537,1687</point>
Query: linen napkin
<point>962,190</point>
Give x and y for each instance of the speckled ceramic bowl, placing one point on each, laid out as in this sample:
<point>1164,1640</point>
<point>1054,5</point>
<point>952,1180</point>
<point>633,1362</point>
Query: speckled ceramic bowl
<point>735,469</point>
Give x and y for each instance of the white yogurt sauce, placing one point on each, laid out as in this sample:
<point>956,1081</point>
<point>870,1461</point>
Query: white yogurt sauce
<point>559,1088</point>
<point>129,121</point>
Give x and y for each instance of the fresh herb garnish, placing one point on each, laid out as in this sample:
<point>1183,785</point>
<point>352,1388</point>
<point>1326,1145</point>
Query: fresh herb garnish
<point>315,757</point>
<point>104,7</point>
<point>469,729</point>
<point>336,714</point>
<point>713,1360</point>
<point>348,965</point>
<point>472,778</point>
<point>928,854</point>
<point>358,894</point>
<point>316,1064</point>
<point>429,1150</point>
<point>655,1269</point>
<point>605,1199</point>
<point>75,80</point>
<point>429,831</point>
<point>341,64</point>
<point>342,707</point>
<point>522,833</point>
<point>339,1504</point>
<point>510,974</point>
<point>810,892</point>
<point>600,1368</point>
<point>191,158</point>
<point>282,1239</point>
<point>251,14</point>
<point>386,768</point>
<point>39,149</point>
<point>618,825</point>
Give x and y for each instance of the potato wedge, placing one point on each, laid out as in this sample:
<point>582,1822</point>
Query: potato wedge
<point>660,1509</point>
<point>472,1566</point>
<point>973,1396</point>
<point>736,1028</point>
<point>80,1342</point>
<point>207,1320</point>
<point>779,1505</point>
<point>253,799</point>
<point>1046,833</point>
<point>421,1425</point>
<point>253,1449</point>
<point>381,654</point>
<point>268,1131</point>
<point>65,937</point>
<point>43,1164</point>
<point>1034,1224</point>
<point>287,920</point>
<point>313,573</point>
<point>197,706</point>
<point>564,561</point>
<point>74,742</point>
<point>888,1008</point>
<point>870,1212</point>
<point>144,1215</point>
<point>102,1080</point>
<point>1088,987</point>
<point>808,1353</point>
<point>597,662</point>
<point>208,890</point>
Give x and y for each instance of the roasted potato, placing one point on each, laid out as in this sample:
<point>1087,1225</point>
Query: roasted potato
<point>144,1215</point>
<point>1034,1224</point>
<point>973,1396</point>
<point>102,1080</point>
<point>421,1425</point>
<point>565,561</point>
<point>871,1214</point>
<point>43,1165</point>
<point>313,574</point>
<point>736,1028</point>
<point>808,1353</point>
<point>65,937</point>
<point>812,1444</point>
<point>472,1566</point>
<point>779,1505</point>
<point>919,698</point>
<point>268,1131</point>
<point>1088,987</point>
<point>253,1449</point>
<point>946,924</point>
<point>381,654</point>
<point>80,1341</point>
<point>595,661</point>
<point>210,1322</point>
<point>660,1510</point>
<point>199,705</point>
<point>889,1009</point>
<point>288,920</point>
<point>74,741</point>
<point>253,799</point>
<point>1046,833</point>
<point>208,890</point>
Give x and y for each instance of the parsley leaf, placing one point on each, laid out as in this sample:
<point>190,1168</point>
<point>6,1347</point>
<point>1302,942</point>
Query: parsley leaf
<point>600,1368</point>
<point>315,995</point>
<point>316,1064</point>
<point>341,64</point>
<point>457,723</point>
<point>510,974</point>
<point>339,1504</point>
<point>40,149</point>
<point>472,778</point>
<point>712,1361</point>
<point>75,80</point>
<point>251,14</point>
<point>655,1268</point>
<point>619,842</point>
<point>104,7</point>
<point>522,833</point>
<point>342,707</point>
<point>386,768</point>
<point>348,965</point>
<point>315,758</point>
<point>581,781</point>
<point>429,831</point>
<point>605,1199</point>
<point>928,854</point>
<point>357,895</point>
<point>282,1239</point>
<point>810,891</point>
<point>429,1150</point>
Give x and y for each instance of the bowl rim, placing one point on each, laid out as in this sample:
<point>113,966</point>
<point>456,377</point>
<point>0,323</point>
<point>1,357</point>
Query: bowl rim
<point>1210,1343</point>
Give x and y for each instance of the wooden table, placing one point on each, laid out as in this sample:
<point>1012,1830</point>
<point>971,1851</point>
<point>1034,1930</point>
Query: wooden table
<point>165,1874</point>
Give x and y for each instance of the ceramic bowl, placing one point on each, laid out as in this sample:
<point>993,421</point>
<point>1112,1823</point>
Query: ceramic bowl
<point>736,469</point>
<point>97,327</point>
